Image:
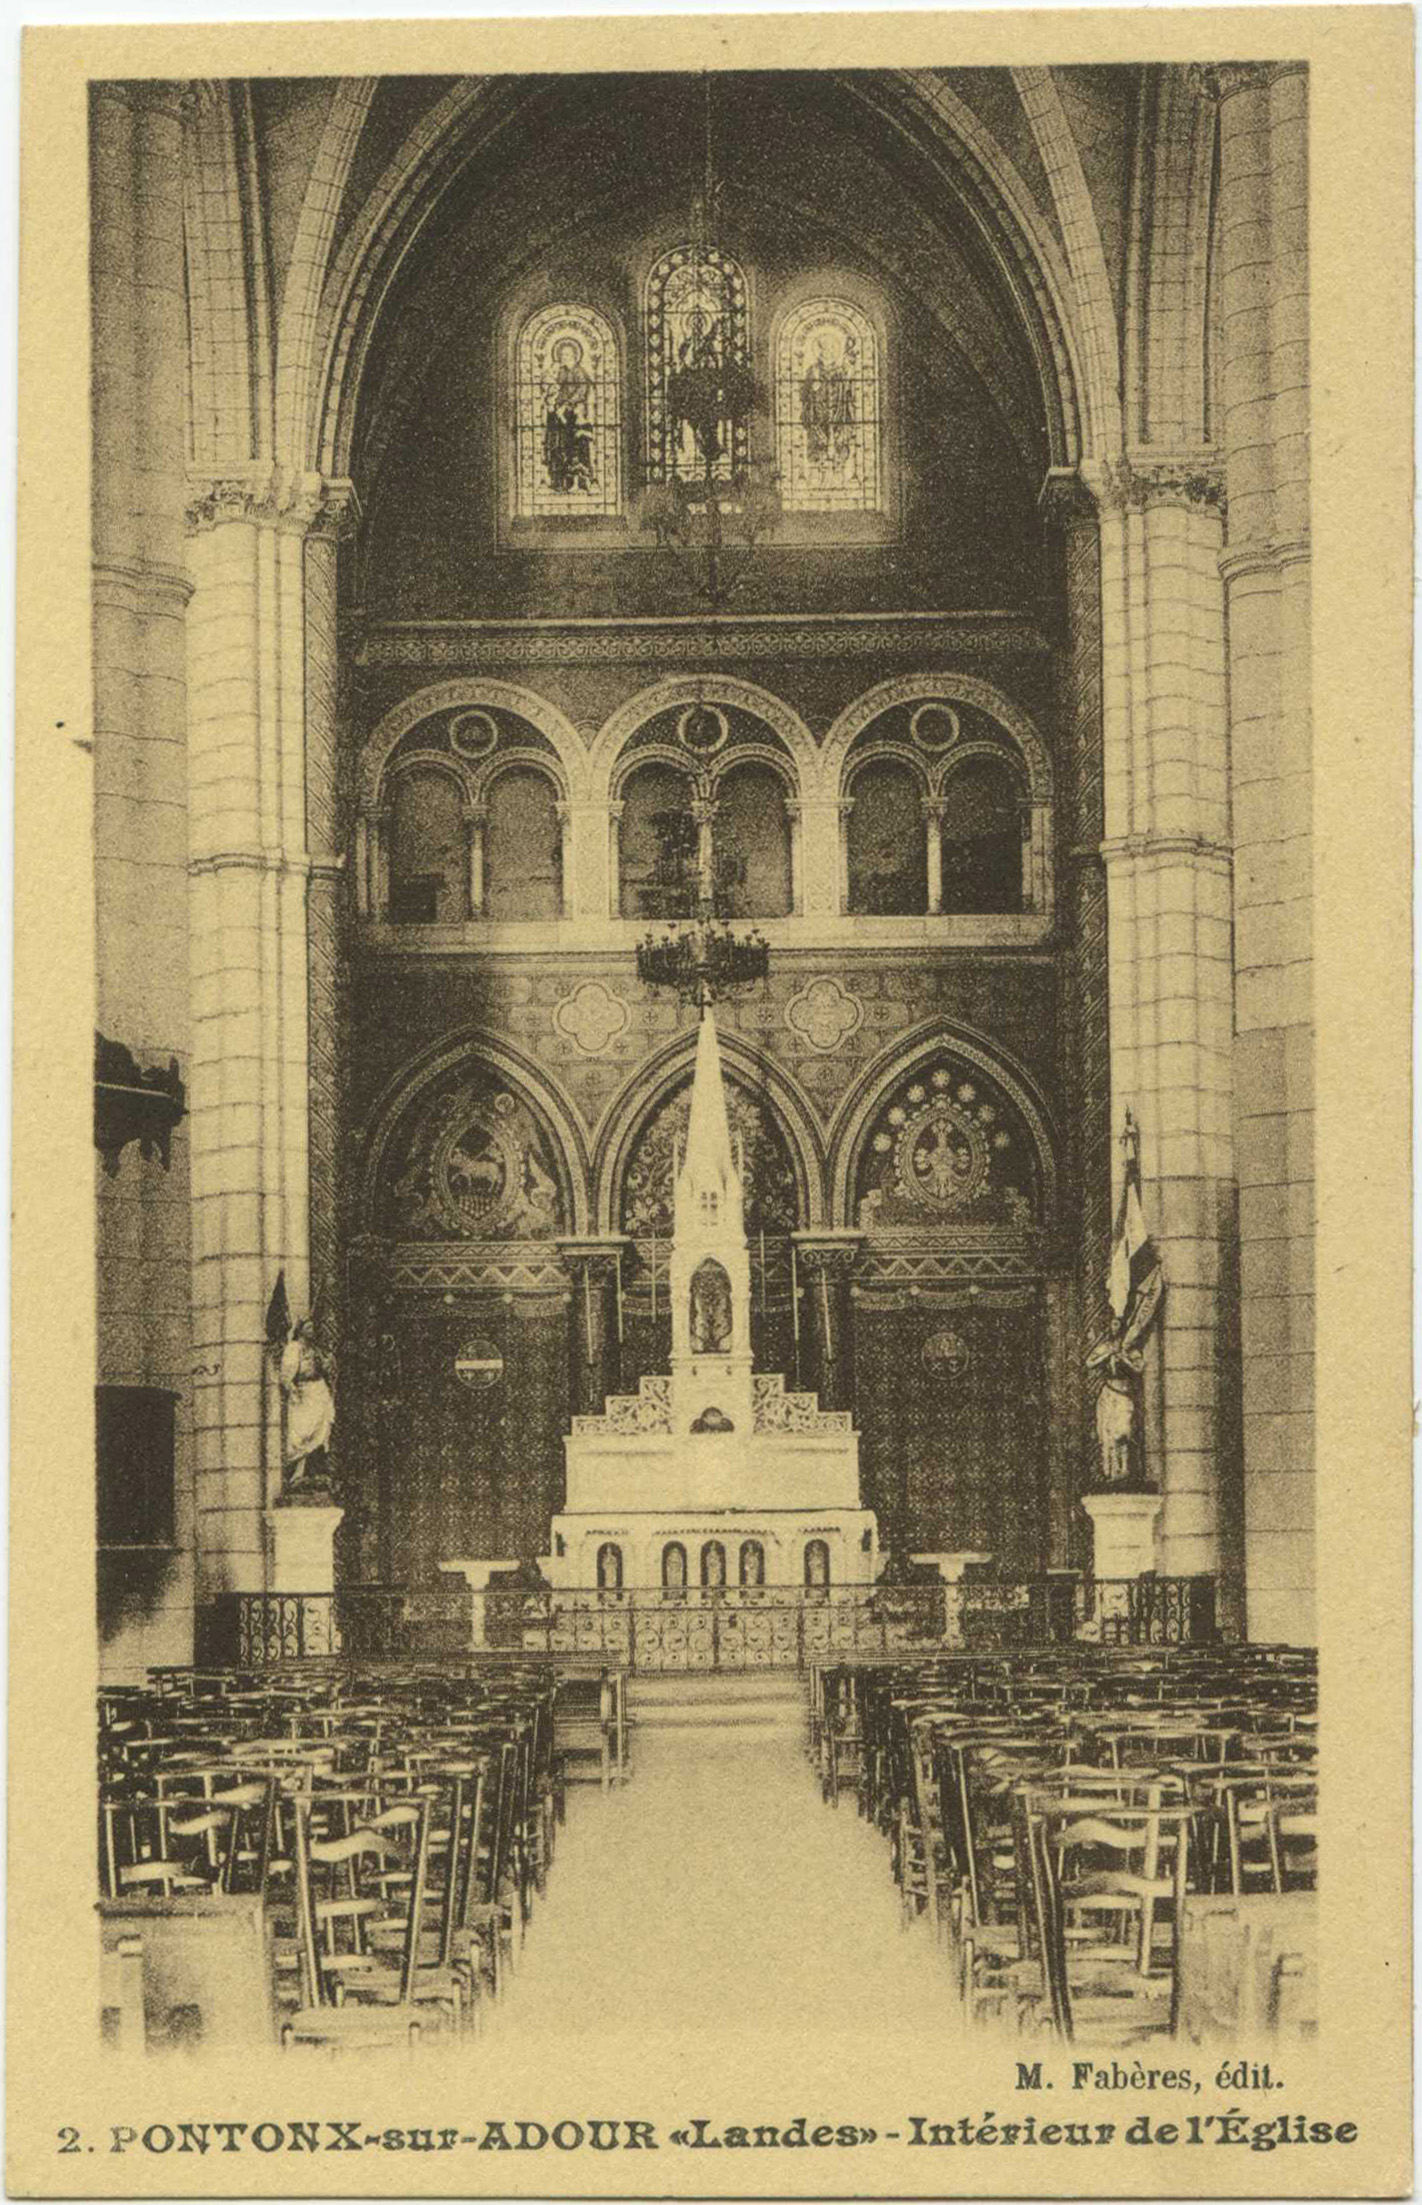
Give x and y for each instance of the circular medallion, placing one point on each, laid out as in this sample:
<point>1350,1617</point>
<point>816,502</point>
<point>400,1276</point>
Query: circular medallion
<point>476,1169</point>
<point>478,1365</point>
<point>941,1156</point>
<point>702,729</point>
<point>947,1352</point>
<point>473,734</point>
<point>934,726</point>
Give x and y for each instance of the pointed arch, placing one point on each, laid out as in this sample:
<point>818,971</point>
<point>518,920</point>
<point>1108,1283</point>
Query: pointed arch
<point>296,360</point>
<point>640,1098</point>
<point>229,308</point>
<point>1168,263</point>
<point>545,1098</point>
<point>1095,312</point>
<point>853,1119</point>
<point>1055,296</point>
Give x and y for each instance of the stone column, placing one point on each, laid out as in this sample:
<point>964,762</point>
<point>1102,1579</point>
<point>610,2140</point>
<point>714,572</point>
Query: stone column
<point>933,810</point>
<point>1263,227</point>
<point>595,1319</point>
<point>600,890</point>
<point>475,824</point>
<point>821,857</point>
<point>1167,852</point>
<point>251,692</point>
<point>703,811</point>
<point>328,915</point>
<point>567,902</point>
<point>794,813</point>
<point>140,592</point>
<point>1079,1311</point>
<point>825,1261</point>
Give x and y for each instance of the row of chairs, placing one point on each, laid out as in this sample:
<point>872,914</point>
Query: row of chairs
<point>1050,1814</point>
<point>393,1827</point>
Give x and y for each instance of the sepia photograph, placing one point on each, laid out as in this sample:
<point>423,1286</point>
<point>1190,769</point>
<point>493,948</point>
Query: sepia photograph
<point>701,760</point>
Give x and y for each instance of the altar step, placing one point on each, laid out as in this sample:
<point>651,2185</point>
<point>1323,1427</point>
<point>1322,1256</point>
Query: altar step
<point>760,1703</point>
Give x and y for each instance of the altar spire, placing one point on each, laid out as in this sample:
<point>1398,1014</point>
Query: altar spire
<point>710,1164</point>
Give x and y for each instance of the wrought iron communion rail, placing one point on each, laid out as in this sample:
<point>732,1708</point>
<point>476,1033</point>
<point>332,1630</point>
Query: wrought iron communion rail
<point>786,1627</point>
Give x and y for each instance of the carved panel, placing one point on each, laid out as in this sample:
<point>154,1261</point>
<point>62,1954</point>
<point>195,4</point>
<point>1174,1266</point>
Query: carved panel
<point>473,1163</point>
<point>779,1411</point>
<point>948,1147</point>
<point>772,1196</point>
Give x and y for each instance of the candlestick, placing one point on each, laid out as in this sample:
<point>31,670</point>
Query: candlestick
<point>762,1270</point>
<point>795,1310</point>
<point>654,1274</point>
<point>587,1306</point>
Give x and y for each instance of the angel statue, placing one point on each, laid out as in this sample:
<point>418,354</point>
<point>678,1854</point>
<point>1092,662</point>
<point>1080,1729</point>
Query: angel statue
<point>305,1375</point>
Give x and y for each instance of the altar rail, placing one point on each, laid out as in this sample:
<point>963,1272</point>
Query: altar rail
<point>774,1627</point>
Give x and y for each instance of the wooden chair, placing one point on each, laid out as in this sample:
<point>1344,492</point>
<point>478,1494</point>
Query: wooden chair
<point>1107,1899</point>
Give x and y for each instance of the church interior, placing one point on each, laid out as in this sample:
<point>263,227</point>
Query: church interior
<point>703,1078</point>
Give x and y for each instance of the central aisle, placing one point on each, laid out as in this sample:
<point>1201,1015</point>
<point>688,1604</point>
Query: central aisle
<point>717,1910</point>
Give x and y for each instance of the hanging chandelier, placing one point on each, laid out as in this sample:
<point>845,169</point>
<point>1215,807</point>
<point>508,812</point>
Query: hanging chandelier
<point>713,504</point>
<point>703,961</point>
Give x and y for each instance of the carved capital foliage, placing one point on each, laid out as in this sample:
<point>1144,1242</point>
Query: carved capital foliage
<point>1220,80</point>
<point>280,497</point>
<point>836,1258</point>
<point>172,96</point>
<point>1140,480</point>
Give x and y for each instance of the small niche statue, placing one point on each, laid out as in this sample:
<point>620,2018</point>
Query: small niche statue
<point>710,1310</point>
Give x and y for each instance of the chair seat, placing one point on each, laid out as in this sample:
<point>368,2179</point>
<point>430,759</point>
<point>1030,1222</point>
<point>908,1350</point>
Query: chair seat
<point>344,2024</point>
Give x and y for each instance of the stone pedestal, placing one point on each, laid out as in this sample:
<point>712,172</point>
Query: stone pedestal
<point>476,1575</point>
<point>302,1536</point>
<point>1123,1530</point>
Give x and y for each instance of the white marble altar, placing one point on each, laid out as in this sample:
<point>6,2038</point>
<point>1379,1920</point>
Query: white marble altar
<point>713,1454</point>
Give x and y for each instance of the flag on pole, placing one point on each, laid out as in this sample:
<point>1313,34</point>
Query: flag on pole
<point>1134,1280</point>
<point>278,1314</point>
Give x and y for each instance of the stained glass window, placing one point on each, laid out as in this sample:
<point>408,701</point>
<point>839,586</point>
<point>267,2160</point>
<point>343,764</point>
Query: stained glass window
<point>698,366</point>
<point>569,416</point>
<point>828,410</point>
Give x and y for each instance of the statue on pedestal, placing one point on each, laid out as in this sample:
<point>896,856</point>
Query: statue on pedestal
<point>1115,1417</point>
<point>310,1410</point>
<point>1135,1286</point>
<point>305,1376</point>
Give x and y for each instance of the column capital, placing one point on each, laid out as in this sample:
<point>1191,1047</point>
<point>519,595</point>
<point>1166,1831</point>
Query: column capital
<point>308,504</point>
<point>832,1249</point>
<point>172,96</point>
<point>593,1247</point>
<point>1144,479</point>
<point>1219,81</point>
